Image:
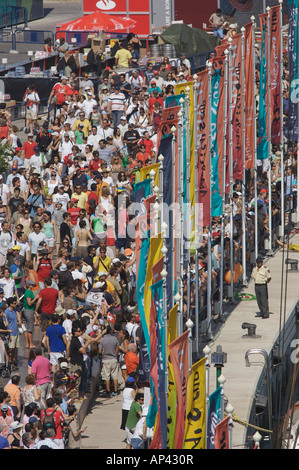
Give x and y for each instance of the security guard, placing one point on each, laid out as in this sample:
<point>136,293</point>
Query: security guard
<point>261,276</point>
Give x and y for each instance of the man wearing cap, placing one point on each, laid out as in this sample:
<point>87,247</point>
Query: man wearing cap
<point>154,87</point>
<point>123,126</point>
<point>83,119</point>
<point>88,104</point>
<point>36,161</point>
<point>261,276</point>
<point>44,138</point>
<point>65,147</point>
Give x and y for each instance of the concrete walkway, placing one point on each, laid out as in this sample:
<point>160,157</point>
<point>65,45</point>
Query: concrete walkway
<point>241,381</point>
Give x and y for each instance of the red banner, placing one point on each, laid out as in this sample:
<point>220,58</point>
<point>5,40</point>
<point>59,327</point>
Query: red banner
<point>222,434</point>
<point>275,50</point>
<point>237,90</point>
<point>249,97</point>
<point>179,358</point>
<point>202,134</point>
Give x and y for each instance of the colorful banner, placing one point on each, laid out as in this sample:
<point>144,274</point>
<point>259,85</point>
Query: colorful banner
<point>214,416</point>
<point>202,135</point>
<point>171,413</point>
<point>140,283</point>
<point>249,98</point>
<point>237,123</point>
<point>145,173</point>
<point>262,140</point>
<point>216,202</point>
<point>291,129</point>
<point>178,352</point>
<point>196,407</point>
<point>275,72</point>
<point>155,245</point>
<point>142,190</point>
<point>222,434</point>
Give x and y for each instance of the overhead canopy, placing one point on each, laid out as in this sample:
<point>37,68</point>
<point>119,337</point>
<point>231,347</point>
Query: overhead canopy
<point>99,21</point>
<point>189,40</point>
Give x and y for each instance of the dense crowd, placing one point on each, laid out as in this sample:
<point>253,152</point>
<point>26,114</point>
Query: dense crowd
<point>67,260</point>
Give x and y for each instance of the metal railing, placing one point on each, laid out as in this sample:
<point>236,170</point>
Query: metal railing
<point>13,16</point>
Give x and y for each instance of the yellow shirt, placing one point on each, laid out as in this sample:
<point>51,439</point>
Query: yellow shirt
<point>104,265</point>
<point>86,126</point>
<point>123,56</point>
<point>82,199</point>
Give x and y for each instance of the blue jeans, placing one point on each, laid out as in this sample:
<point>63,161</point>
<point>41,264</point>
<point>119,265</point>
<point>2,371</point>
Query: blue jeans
<point>218,32</point>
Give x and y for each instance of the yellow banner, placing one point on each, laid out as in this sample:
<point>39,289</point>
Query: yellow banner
<point>195,425</point>
<point>153,257</point>
<point>145,172</point>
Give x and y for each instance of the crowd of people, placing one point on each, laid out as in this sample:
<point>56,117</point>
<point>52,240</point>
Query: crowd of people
<point>67,258</point>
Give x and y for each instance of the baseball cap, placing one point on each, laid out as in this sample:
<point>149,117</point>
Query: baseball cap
<point>130,380</point>
<point>16,247</point>
<point>64,365</point>
<point>36,147</point>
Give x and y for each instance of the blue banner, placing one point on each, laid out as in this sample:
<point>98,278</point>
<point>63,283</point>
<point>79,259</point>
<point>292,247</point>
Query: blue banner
<point>262,141</point>
<point>214,416</point>
<point>144,252</point>
<point>216,202</point>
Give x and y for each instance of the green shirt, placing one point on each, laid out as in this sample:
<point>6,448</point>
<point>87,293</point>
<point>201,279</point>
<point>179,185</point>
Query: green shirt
<point>133,416</point>
<point>28,295</point>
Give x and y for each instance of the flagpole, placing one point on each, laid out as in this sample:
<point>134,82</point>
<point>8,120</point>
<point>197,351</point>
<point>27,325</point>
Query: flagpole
<point>244,272</point>
<point>281,129</point>
<point>231,173</point>
<point>255,143</point>
<point>230,410</point>
<point>206,351</point>
<point>196,215</point>
<point>187,212</point>
<point>180,265</point>
<point>174,233</point>
<point>221,381</point>
<point>226,52</point>
<point>269,129</point>
<point>209,281</point>
<point>164,274</point>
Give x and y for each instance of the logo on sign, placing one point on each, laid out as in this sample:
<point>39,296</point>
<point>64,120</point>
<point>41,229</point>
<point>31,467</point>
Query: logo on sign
<point>106,4</point>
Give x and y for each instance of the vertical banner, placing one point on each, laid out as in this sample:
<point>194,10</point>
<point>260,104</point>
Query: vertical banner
<point>196,407</point>
<point>218,64</point>
<point>214,416</point>
<point>237,106</point>
<point>216,202</point>
<point>178,351</point>
<point>203,145</point>
<point>291,130</point>
<point>171,410</point>
<point>262,140</point>
<point>249,98</point>
<point>140,283</point>
<point>145,173</point>
<point>222,434</point>
<point>275,53</point>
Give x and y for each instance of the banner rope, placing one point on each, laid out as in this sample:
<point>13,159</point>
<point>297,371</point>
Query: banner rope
<point>244,423</point>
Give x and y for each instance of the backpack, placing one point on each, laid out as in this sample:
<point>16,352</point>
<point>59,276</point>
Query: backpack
<point>49,421</point>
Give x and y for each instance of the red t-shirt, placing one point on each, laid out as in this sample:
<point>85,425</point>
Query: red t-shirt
<point>61,92</point>
<point>49,298</point>
<point>28,148</point>
<point>149,145</point>
<point>94,165</point>
<point>58,419</point>
<point>74,214</point>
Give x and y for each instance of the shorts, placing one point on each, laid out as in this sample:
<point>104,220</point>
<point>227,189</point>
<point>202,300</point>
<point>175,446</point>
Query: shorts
<point>29,320</point>
<point>14,342</point>
<point>50,242</point>
<point>110,369</point>
<point>3,259</point>
<point>30,114</point>
<point>129,435</point>
<point>54,356</point>
<point>45,389</point>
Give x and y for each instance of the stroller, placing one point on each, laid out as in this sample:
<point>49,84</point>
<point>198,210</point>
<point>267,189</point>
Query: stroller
<point>5,367</point>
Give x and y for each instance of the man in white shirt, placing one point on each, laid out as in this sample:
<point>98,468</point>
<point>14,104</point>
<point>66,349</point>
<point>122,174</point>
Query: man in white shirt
<point>65,148</point>
<point>105,131</point>
<point>36,160</point>
<point>94,138</point>
<point>123,126</point>
<point>88,104</point>
<point>61,197</point>
<point>6,242</point>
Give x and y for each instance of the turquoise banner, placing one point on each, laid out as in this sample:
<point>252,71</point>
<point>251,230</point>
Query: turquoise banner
<point>216,202</point>
<point>262,143</point>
